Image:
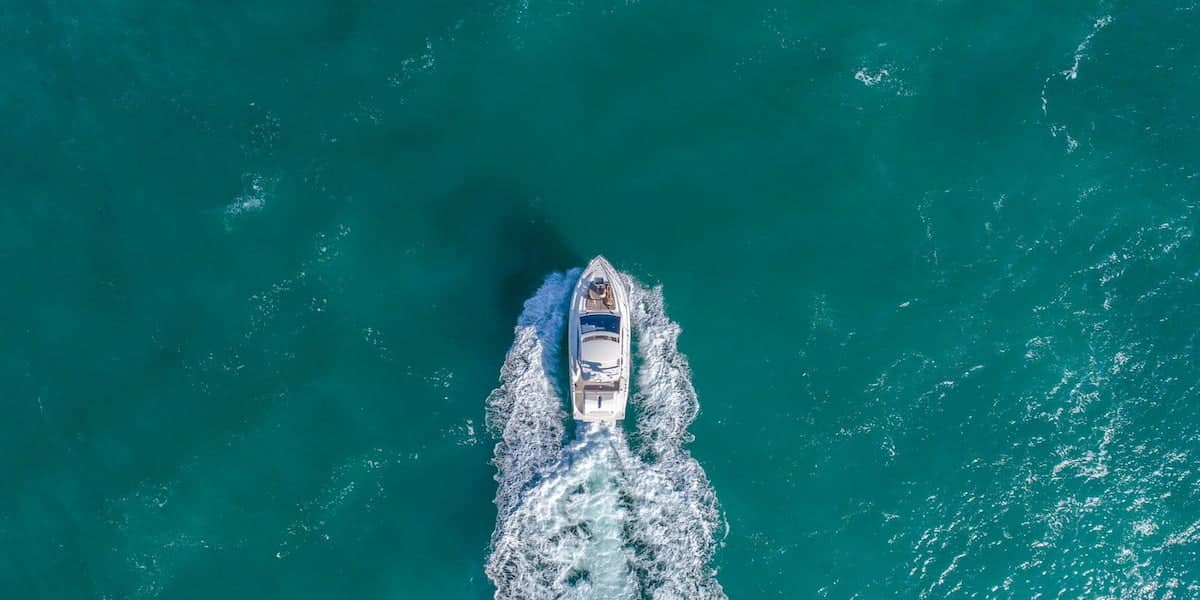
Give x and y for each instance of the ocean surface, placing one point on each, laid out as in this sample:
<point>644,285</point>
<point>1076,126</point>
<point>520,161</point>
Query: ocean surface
<point>917,299</point>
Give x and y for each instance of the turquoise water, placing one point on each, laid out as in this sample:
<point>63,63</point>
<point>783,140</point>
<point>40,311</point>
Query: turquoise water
<point>935,265</point>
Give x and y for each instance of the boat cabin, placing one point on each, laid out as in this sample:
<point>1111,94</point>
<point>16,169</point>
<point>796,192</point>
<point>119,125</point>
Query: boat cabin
<point>600,340</point>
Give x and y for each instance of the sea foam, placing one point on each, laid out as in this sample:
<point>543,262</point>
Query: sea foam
<point>595,518</point>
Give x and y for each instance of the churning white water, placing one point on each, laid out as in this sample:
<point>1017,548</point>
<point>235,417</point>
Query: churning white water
<point>593,518</point>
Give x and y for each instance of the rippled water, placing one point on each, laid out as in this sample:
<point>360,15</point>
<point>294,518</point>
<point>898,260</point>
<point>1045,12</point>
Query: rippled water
<point>934,268</point>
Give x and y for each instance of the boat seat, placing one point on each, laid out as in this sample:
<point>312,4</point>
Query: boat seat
<point>600,297</point>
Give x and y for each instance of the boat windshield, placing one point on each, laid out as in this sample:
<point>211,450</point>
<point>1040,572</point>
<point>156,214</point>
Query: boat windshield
<point>609,323</point>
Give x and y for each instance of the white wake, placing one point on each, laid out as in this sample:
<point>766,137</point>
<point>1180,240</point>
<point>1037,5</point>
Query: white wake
<point>592,518</point>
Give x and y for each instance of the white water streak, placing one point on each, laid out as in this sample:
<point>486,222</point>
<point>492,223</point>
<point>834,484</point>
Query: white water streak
<point>1070,74</point>
<point>594,519</point>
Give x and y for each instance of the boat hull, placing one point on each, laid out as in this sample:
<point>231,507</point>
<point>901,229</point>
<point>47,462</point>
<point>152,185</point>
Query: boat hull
<point>599,390</point>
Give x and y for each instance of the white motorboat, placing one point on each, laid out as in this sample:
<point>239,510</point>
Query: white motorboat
<point>598,338</point>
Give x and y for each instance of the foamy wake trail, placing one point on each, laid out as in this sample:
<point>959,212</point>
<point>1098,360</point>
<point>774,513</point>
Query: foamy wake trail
<point>593,518</point>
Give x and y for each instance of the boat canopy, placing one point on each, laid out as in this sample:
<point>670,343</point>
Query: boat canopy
<point>600,350</point>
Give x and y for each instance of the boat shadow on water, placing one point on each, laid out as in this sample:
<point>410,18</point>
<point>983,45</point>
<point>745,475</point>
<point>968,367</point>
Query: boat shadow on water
<point>501,235</point>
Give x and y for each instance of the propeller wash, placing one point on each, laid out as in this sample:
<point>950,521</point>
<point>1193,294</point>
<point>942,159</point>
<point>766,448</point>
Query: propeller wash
<point>597,517</point>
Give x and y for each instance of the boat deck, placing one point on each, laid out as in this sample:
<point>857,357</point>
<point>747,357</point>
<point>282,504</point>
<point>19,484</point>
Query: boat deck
<point>599,319</point>
<point>593,305</point>
<point>599,297</point>
<point>597,386</point>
